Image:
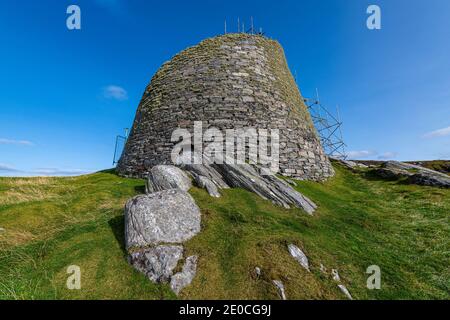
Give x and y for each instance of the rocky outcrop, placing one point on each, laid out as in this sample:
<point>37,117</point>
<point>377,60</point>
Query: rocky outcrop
<point>185,277</point>
<point>208,185</point>
<point>268,187</point>
<point>413,174</point>
<point>164,177</point>
<point>199,165</point>
<point>157,263</point>
<point>430,180</point>
<point>246,176</point>
<point>169,216</point>
<point>155,226</point>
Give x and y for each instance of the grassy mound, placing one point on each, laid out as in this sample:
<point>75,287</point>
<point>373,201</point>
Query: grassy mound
<point>52,223</point>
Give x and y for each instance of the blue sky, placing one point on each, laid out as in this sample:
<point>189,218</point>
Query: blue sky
<point>64,95</point>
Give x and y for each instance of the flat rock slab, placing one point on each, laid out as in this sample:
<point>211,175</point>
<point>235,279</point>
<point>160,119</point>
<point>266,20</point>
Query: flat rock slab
<point>298,255</point>
<point>200,165</point>
<point>165,177</point>
<point>246,176</point>
<point>157,263</point>
<point>208,184</point>
<point>269,187</point>
<point>169,216</point>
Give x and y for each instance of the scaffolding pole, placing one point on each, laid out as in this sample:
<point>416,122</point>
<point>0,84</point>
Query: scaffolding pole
<point>328,126</point>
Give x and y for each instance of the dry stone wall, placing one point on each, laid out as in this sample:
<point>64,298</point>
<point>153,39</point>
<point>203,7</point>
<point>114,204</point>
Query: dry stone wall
<point>228,82</point>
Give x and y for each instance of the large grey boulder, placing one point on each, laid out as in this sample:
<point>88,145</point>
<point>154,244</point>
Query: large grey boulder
<point>298,255</point>
<point>185,277</point>
<point>157,263</point>
<point>169,216</point>
<point>165,177</point>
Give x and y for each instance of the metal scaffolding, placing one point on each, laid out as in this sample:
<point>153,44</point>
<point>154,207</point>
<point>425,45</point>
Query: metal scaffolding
<point>120,143</point>
<point>328,126</point>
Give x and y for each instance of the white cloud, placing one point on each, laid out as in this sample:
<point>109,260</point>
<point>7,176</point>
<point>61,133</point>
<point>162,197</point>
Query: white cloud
<point>16,142</point>
<point>7,168</point>
<point>58,172</point>
<point>387,155</point>
<point>438,133</point>
<point>360,154</point>
<point>115,92</point>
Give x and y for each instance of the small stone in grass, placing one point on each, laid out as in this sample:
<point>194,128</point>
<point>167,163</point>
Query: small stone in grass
<point>280,288</point>
<point>335,275</point>
<point>345,291</point>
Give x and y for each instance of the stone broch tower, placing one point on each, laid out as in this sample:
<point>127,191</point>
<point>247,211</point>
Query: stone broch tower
<point>228,82</point>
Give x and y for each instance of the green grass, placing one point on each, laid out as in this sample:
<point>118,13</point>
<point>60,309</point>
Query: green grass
<point>51,223</point>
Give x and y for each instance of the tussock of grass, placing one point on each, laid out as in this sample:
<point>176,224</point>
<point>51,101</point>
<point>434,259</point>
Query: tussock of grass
<point>361,221</point>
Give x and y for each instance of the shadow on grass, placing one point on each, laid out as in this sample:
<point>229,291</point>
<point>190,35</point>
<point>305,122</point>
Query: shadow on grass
<point>372,175</point>
<point>140,189</point>
<point>117,225</point>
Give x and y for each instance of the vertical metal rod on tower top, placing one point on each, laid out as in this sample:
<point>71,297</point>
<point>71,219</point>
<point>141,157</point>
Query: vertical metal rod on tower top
<point>251,19</point>
<point>239,25</point>
<point>225,26</point>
